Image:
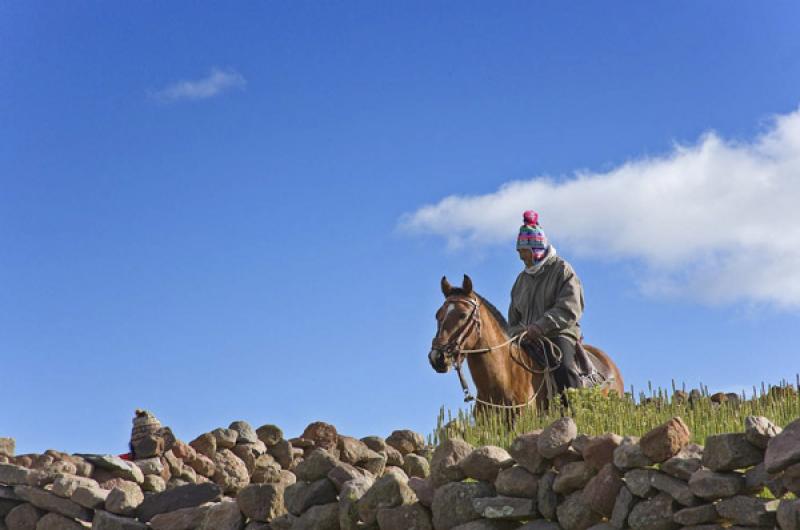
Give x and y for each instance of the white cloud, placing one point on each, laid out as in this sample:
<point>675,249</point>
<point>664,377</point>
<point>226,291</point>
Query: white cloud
<point>215,83</point>
<point>717,221</point>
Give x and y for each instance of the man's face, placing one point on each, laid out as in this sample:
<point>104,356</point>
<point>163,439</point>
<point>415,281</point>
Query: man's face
<point>526,255</point>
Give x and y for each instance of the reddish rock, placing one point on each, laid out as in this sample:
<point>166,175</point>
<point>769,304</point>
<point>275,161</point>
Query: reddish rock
<point>666,440</point>
<point>602,490</point>
<point>599,450</point>
<point>323,435</point>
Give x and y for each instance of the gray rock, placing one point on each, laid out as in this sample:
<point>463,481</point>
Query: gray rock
<point>375,464</point>
<point>205,444</point>
<point>53,521</point>
<point>286,521</point>
<point>639,481</point>
<point>344,473</point>
<point>261,502</point>
<point>629,455</point>
<point>223,516</point>
<point>445,462</point>
<point>791,478</point>
<point>602,490</point>
<point>788,514</point>
<point>599,450</point>
<point>23,517</point>
<point>183,519</point>
<point>405,517</point>
<point>573,476</point>
<point>758,430</point>
<point>517,481</point>
<point>685,463</point>
<point>388,491</point>
<point>423,489</point>
<point>556,437</point>
<point>316,465</point>
<point>352,451</point>
<point>727,452</point>
<point>282,451</point>
<point>675,488</point>
<point>13,475</point>
<point>575,513</point>
<point>393,457</point>
<point>546,497</point>
<point>375,443</point>
<point>226,438</point>
<point>416,466</point>
<point>186,496</point>
<point>7,492</point>
<point>65,485</point>
<point>406,441</point>
<point>486,524</point>
<point>452,503</point>
<point>230,472</point>
<point>108,521</point>
<point>654,514</point>
<point>124,498</point>
<point>540,524</point>
<point>301,496</point>
<point>153,484</point>
<point>705,513</point>
<point>320,517</point>
<point>116,466</point>
<point>622,508</point>
<point>269,434</point>
<point>484,463</point>
<point>748,511</point>
<point>501,507</point>
<point>784,449</point>
<point>712,485</point>
<point>44,500</point>
<point>245,432</point>
<point>525,451</point>
<point>90,497</point>
<point>348,502</point>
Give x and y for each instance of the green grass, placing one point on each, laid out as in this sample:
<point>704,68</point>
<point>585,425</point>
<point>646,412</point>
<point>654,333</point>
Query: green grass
<point>626,415</point>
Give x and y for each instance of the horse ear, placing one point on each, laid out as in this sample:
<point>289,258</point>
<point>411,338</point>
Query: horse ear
<point>446,287</point>
<point>467,285</point>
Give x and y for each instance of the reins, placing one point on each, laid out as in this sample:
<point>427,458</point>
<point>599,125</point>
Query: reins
<point>453,351</point>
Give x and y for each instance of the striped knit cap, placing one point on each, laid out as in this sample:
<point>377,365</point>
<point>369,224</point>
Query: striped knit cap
<point>144,424</point>
<point>532,236</point>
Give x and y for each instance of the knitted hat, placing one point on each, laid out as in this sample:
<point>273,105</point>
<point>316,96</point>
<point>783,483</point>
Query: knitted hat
<point>532,236</point>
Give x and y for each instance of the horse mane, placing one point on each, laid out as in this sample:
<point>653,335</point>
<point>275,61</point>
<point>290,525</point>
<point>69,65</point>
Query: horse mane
<point>492,309</point>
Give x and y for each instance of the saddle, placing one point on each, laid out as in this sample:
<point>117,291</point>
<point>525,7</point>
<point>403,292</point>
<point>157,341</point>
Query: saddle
<point>585,363</point>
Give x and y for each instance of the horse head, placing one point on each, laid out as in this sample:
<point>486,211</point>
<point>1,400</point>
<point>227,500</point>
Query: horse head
<point>458,324</point>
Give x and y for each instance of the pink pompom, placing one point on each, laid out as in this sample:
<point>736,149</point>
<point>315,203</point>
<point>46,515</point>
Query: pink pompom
<point>530,218</point>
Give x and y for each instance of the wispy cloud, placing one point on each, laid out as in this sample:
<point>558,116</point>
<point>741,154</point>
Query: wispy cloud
<point>215,83</point>
<point>716,221</point>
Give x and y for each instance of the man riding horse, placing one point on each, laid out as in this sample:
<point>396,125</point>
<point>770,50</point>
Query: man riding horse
<point>547,304</point>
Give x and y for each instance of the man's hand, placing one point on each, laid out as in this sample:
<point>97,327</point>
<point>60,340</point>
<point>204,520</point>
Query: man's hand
<point>533,332</point>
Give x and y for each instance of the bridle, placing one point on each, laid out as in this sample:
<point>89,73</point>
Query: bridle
<point>453,352</point>
<point>452,349</point>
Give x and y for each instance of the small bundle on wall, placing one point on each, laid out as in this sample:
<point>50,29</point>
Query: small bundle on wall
<point>239,478</point>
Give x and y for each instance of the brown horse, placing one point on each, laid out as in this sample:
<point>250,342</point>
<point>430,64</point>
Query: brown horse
<point>470,327</point>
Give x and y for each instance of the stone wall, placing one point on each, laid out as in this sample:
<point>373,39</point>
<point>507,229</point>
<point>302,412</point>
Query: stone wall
<point>241,478</point>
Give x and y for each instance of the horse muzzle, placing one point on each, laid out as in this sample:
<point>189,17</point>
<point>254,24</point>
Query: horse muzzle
<point>438,361</point>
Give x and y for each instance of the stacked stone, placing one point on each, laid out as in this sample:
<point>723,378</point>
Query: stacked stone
<point>238,478</point>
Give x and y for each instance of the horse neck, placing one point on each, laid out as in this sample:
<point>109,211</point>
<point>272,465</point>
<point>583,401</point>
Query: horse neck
<point>494,372</point>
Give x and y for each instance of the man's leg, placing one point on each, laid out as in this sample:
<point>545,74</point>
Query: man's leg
<point>566,375</point>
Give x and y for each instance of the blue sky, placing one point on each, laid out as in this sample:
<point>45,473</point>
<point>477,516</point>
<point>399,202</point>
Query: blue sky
<point>216,212</point>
